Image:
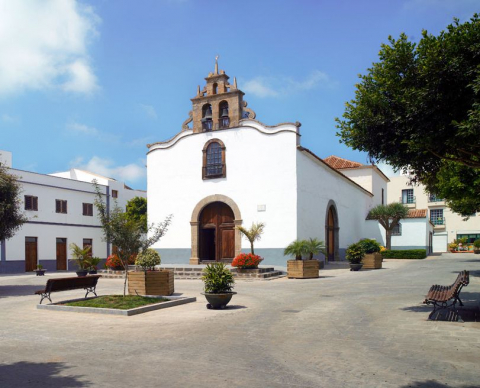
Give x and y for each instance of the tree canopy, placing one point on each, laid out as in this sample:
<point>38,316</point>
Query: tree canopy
<point>11,216</point>
<point>137,210</point>
<point>418,109</point>
<point>389,217</point>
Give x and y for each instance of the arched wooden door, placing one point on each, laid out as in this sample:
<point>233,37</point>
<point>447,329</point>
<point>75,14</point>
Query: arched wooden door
<point>331,235</point>
<point>217,233</point>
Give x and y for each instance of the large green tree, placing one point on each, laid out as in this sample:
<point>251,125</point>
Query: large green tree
<point>137,210</point>
<point>418,109</point>
<point>11,216</point>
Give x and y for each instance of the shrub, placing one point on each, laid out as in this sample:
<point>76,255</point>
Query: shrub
<point>370,246</point>
<point>217,279</point>
<point>246,260</point>
<point>414,254</point>
<point>148,259</point>
<point>476,243</point>
<point>453,246</point>
<point>114,262</point>
<point>355,253</point>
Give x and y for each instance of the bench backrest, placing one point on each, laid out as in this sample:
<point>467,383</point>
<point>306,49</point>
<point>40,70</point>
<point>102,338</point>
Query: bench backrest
<point>73,283</point>
<point>462,280</point>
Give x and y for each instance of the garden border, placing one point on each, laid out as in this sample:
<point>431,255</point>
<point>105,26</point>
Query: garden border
<point>174,301</point>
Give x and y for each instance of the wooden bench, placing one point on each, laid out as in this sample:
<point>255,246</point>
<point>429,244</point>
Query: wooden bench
<point>440,296</point>
<point>88,283</point>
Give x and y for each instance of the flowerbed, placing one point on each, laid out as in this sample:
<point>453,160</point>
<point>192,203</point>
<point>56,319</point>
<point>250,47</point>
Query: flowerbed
<point>246,261</point>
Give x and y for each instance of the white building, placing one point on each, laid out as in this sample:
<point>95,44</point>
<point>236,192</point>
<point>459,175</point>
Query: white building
<point>229,169</point>
<point>447,224</point>
<point>60,211</point>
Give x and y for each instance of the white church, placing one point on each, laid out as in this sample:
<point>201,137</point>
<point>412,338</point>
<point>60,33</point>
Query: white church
<point>225,169</point>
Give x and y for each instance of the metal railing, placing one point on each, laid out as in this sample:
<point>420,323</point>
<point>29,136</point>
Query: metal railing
<point>437,221</point>
<point>408,200</point>
<point>433,198</point>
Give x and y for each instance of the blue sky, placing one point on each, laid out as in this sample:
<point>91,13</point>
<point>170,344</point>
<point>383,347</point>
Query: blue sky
<point>88,84</point>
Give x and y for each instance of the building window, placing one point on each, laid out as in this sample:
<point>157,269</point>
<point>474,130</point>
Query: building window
<point>397,230</point>
<point>88,209</point>
<point>214,160</point>
<point>61,206</point>
<point>436,216</point>
<point>433,198</point>
<point>88,242</point>
<point>115,193</point>
<point>31,202</point>
<point>470,237</point>
<point>383,197</point>
<point>407,196</point>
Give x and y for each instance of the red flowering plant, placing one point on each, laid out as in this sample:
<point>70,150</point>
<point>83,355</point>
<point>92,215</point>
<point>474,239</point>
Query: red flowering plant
<point>114,262</point>
<point>247,261</point>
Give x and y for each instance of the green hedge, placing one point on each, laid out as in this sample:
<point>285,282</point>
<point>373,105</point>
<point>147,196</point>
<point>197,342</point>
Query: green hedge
<point>413,254</point>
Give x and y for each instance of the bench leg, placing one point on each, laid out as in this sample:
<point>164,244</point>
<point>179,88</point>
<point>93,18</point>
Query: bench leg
<point>89,290</point>
<point>46,295</point>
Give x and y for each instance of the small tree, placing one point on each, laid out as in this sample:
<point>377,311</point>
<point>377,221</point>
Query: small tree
<point>253,234</point>
<point>11,217</point>
<point>388,216</point>
<point>296,248</point>
<point>137,210</point>
<point>127,234</point>
<point>314,246</point>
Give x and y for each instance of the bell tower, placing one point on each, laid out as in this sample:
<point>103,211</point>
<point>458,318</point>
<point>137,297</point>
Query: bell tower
<point>219,105</point>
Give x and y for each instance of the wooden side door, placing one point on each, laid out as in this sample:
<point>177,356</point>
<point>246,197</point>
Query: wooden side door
<point>228,243</point>
<point>331,236</point>
<point>61,254</point>
<point>30,254</point>
<point>226,232</point>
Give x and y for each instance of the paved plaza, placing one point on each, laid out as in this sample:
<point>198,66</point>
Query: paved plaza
<point>345,329</point>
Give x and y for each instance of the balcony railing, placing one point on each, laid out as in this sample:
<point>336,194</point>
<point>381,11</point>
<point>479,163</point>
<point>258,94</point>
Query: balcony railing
<point>437,221</point>
<point>433,198</point>
<point>408,200</point>
<point>207,125</point>
<point>224,122</point>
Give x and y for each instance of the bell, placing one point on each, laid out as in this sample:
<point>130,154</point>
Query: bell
<point>224,112</point>
<point>208,114</point>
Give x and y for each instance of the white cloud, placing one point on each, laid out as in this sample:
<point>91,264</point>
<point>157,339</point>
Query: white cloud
<point>81,129</point>
<point>9,119</point>
<point>128,173</point>
<point>43,45</point>
<point>284,86</point>
<point>149,111</point>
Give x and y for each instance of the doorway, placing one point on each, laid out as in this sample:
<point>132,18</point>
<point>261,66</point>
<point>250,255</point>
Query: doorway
<point>31,254</point>
<point>216,233</point>
<point>331,232</point>
<point>61,254</point>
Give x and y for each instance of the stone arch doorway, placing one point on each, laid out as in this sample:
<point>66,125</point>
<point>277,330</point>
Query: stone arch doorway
<point>332,232</point>
<point>214,236</point>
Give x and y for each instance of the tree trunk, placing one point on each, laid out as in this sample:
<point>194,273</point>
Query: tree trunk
<point>251,246</point>
<point>388,239</point>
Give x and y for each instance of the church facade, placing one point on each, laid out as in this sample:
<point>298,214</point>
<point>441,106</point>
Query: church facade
<point>225,168</point>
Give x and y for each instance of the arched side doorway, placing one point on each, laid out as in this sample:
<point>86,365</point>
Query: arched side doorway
<point>332,232</point>
<point>214,236</point>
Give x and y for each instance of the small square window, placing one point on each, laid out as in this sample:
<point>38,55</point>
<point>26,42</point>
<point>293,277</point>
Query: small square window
<point>31,203</point>
<point>61,206</point>
<point>88,209</point>
<point>115,193</point>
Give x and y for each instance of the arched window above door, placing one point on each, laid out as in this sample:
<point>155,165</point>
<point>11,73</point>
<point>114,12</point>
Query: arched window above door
<point>214,165</point>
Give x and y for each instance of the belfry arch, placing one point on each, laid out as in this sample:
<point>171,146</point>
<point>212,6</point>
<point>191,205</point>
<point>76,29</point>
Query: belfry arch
<point>332,232</point>
<point>214,236</point>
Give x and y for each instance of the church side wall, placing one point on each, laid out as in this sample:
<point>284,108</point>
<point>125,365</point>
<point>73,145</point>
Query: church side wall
<point>260,174</point>
<point>317,185</point>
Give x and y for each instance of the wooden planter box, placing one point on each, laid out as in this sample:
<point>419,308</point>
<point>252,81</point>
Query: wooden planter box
<point>151,282</point>
<point>302,269</point>
<point>372,261</point>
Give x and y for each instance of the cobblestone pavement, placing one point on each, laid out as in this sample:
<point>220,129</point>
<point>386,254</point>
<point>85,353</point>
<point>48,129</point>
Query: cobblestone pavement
<point>345,329</point>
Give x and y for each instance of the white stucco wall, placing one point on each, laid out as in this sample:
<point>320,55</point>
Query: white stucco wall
<point>370,179</point>
<point>260,165</point>
<point>317,185</point>
<point>415,234</point>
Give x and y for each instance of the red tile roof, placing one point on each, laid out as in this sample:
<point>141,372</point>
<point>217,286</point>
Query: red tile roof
<point>337,163</point>
<point>417,213</point>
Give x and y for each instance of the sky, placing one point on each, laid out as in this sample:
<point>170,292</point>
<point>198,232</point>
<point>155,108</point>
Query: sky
<point>87,84</point>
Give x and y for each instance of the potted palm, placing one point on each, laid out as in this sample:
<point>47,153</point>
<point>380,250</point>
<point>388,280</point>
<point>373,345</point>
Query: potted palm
<point>372,258</point>
<point>218,283</point>
<point>476,246</point>
<point>40,271</point>
<point>299,268</point>
<point>92,265</point>
<point>355,253</point>
<point>81,258</point>
<point>147,279</point>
